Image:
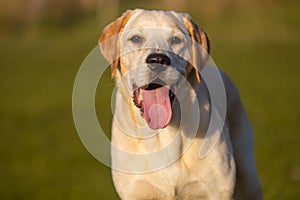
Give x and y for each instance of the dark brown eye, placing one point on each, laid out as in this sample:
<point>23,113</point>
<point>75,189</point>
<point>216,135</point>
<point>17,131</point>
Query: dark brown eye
<point>136,39</point>
<point>175,40</point>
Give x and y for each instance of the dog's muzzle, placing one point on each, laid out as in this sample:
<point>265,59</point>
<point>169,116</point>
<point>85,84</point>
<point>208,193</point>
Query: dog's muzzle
<point>155,99</point>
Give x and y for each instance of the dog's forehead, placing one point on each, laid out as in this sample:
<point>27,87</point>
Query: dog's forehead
<point>155,19</point>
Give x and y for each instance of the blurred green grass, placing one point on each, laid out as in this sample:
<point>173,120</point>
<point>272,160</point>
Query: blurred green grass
<point>42,156</point>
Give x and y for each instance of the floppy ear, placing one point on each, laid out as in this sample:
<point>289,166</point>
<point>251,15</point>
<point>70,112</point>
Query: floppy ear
<point>109,40</point>
<point>200,49</point>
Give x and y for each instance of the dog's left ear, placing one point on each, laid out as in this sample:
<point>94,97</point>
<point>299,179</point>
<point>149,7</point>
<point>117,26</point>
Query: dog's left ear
<point>108,41</point>
<point>200,48</point>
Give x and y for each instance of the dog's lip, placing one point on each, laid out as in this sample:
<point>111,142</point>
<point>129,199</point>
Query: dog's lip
<point>137,99</point>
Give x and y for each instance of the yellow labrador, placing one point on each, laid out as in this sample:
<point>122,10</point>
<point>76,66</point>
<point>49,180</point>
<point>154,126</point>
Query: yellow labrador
<point>164,108</point>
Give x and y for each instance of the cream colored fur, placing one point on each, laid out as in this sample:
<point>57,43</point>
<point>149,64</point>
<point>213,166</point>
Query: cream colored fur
<point>229,169</point>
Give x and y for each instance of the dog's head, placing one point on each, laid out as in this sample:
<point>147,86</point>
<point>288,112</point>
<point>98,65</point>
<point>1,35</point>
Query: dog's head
<point>153,49</point>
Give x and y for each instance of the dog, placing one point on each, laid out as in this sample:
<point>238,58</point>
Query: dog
<point>163,108</point>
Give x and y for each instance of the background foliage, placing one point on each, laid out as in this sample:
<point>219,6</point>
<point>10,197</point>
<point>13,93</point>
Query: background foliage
<point>43,42</point>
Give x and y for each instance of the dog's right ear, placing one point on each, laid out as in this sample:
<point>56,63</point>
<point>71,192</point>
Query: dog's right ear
<point>108,41</point>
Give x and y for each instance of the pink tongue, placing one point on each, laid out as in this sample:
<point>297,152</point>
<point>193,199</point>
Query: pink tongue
<point>157,107</point>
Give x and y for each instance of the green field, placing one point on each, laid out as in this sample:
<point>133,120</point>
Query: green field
<point>42,156</point>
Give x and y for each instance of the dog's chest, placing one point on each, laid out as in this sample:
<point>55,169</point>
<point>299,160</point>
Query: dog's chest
<point>187,178</point>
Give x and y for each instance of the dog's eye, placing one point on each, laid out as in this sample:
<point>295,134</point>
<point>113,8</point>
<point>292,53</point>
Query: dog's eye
<point>136,39</point>
<point>175,40</point>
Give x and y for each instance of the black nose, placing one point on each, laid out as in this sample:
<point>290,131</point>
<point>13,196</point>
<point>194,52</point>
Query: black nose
<point>158,58</point>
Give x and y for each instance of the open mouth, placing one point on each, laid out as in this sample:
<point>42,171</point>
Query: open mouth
<point>155,102</point>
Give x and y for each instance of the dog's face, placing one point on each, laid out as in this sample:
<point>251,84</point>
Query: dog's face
<point>152,50</point>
